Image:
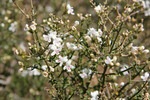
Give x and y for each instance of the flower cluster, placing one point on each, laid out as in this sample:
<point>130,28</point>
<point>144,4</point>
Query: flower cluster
<point>87,55</point>
<point>57,45</point>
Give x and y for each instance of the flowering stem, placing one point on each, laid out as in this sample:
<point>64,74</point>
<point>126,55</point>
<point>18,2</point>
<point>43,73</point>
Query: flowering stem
<point>118,31</point>
<point>138,91</point>
<point>138,73</point>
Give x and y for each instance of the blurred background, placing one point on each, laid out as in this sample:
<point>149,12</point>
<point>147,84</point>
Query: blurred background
<point>24,86</point>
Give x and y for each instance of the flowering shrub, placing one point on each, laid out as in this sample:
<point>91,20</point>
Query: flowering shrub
<point>90,57</point>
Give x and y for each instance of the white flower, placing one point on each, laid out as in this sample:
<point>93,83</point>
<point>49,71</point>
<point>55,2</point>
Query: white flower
<point>108,60</point>
<point>61,60</point>
<point>26,28</point>
<point>35,72</point>
<point>76,23</point>
<point>47,38</point>
<point>133,90</point>
<point>95,34</point>
<point>122,84</point>
<point>22,46</point>
<point>99,39</point>
<point>70,9</point>
<point>134,49</point>
<point>45,74</point>
<point>94,95</point>
<point>33,26</point>
<point>21,70</point>
<point>100,32</point>
<point>68,66</point>
<point>56,46</point>
<point>125,67</point>
<point>44,67</point>
<point>98,9</point>
<point>145,77</point>
<point>57,42</point>
<point>71,46</point>
<point>91,32</point>
<point>129,9</point>
<point>13,27</point>
<point>2,25</point>
<point>116,84</point>
<point>85,73</point>
<point>56,51</point>
<point>51,69</point>
<point>52,34</point>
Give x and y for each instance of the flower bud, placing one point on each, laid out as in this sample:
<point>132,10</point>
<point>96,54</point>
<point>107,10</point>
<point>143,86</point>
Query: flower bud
<point>16,52</point>
<point>95,60</point>
<point>20,63</point>
<point>21,69</point>
<point>114,58</point>
<point>117,64</point>
<point>111,64</point>
<point>44,20</point>
<point>73,28</point>
<point>76,23</point>
<point>129,10</point>
<point>92,55</point>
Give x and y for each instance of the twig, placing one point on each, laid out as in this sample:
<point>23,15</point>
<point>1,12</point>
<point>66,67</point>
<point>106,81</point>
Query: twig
<point>21,10</point>
<point>138,91</point>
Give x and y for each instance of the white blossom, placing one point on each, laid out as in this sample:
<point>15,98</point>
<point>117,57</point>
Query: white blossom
<point>108,60</point>
<point>94,34</point>
<point>71,46</point>
<point>94,95</point>
<point>133,90</point>
<point>26,28</point>
<point>2,25</point>
<point>33,26</point>
<point>13,27</point>
<point>125,67</point>
<point>98,9</point>
<point>35,72</point>
<point>61,60</point>
<point>51,69</point>
<point>85,73</point>
<point>145,77</point>
<point>134,49</point>
<point>122,84</point>
<point>68,66</point>
<point>45,74</point>
<point>44,67</point>
<point>24,73</point>
<point>76,23</point>
<point>47,38</point>
<point>70,9</point>
<point>21,70</point>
